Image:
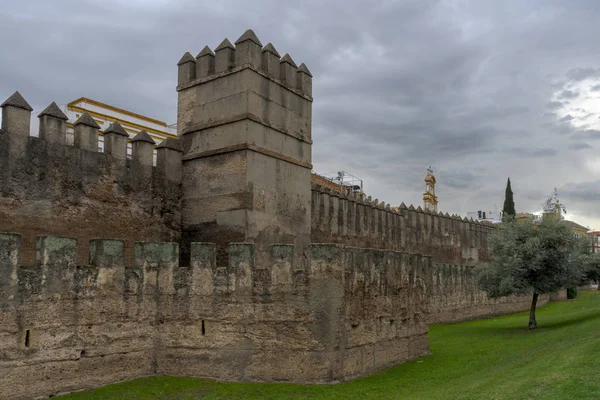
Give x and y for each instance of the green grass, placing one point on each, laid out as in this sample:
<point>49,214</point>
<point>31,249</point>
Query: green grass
<point>487,359</point>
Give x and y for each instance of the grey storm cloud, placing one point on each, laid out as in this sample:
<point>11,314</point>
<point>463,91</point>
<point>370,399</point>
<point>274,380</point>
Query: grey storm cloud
<point>567,118</point>
<point>554,105</point>
<point>580,146</point>
<point>533,152</point>
<point>587,134</point>
<point>464,86</point>
<point>583,191</point>
<point>580,74</point>
<point>461,179</point>
<point>568,94</point>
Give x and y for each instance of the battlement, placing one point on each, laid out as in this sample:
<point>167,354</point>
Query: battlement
<point>56,273</point>
<point>248,52</point>
<point>353,219</point>
<point>49,187</point>
<point>16,114</point>
<point>155,270</point>
<point>245,82</point>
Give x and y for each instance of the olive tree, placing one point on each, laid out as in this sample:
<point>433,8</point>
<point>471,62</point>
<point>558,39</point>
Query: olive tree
<point>533,258</point>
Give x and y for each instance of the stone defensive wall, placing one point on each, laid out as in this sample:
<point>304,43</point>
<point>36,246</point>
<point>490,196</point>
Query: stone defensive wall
<point>221,261</point>
<point>49,187</point>
<point>454,296</point>
<point>64,326</point>
<point>353,219</point>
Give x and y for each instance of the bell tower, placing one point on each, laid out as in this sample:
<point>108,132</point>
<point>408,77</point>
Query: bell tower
<point>430,200</point>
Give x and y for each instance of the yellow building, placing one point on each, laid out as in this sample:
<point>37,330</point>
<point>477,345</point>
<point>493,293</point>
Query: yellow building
<point>523,217</point>
<point>105,114</point>
<point>578,230</point>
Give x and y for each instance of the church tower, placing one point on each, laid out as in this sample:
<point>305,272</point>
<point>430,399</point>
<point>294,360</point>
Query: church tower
<point>430,200</point>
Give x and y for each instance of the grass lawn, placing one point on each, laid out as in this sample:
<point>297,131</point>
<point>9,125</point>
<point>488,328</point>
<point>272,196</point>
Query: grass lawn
<point>487,359</point>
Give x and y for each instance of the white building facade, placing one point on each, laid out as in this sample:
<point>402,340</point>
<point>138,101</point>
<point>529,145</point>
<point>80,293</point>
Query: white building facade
<point>493,216</point>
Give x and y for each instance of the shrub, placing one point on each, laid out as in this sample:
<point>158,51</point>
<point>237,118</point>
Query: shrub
<point>571,293</point>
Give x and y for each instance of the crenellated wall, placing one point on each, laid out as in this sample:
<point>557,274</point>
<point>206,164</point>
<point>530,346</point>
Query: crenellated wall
<point>347,313</point>
<point>49,187</point>
<point>352,219</point>
<point>298,283</point>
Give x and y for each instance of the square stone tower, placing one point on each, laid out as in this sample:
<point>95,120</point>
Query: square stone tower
<point>244,116</point>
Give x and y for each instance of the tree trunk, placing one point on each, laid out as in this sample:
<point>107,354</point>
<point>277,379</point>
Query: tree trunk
<point>532,321</point>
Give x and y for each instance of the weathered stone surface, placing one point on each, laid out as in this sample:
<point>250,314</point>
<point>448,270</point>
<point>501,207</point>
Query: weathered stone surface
<point>115,141</point>
<point>117,129</point>
<point>187,57</point>
<point>10,246</point>
<point>87,120</point>
<point>248,35</point>
<point>16,115</point>
<point>53,124</point>
<point>454,296</point>
<point>16,100</point>
<point>346,221</point>
<point>54,111</point>
<point>235,321</point>
<point>304,69</point>
<point>64,190</point>
<point>247,155</point>
<point>143,137</point>
<point>271,49</point>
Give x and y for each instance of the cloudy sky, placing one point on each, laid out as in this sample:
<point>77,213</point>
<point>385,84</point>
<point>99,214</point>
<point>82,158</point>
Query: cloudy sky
<point>480,90</point>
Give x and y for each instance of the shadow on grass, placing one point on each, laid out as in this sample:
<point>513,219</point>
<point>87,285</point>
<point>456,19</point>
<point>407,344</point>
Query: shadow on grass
<point>572,321</point>
<point>542,326</point>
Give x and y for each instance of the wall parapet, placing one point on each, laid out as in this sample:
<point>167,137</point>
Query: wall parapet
<point>16,115</point>
<point>353,219</point>
<point>248,53</point>
<point>76,190</point>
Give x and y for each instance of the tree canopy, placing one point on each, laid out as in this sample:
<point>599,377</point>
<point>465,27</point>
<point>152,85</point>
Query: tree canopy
<point>534,259</point>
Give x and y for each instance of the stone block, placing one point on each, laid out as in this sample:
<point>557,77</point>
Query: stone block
<point>241,268</point>
<point>282,268</point>
<point>326,263</point>
<point>10,246</point>
<point>56,256</point>
<point>108,257</point>
<point>203,261</point>
<point>157,261</point>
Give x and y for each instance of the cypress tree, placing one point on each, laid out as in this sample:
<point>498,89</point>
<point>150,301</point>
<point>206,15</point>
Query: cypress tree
<point>509,204</point>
